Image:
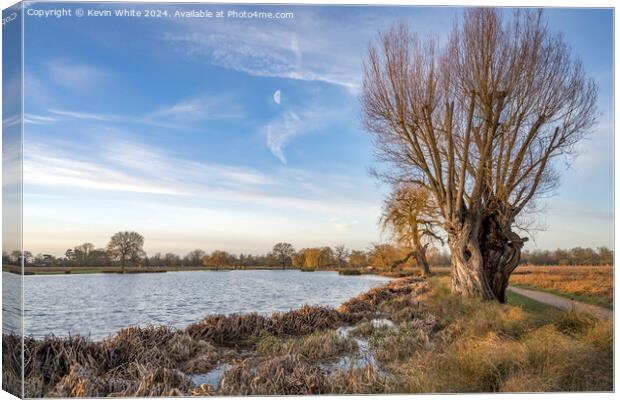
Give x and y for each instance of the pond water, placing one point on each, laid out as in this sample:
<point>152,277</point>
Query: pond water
<point>101,304</point>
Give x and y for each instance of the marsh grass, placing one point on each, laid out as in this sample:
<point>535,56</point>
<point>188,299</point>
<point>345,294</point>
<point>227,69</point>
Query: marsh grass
<point>396,345</point>
<point>246,329</point>
<point>316,347</point>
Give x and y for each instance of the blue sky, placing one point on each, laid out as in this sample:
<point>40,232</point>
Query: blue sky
<point>170,127</point>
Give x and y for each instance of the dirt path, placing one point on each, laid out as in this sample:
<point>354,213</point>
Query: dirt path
<point>562,302</point>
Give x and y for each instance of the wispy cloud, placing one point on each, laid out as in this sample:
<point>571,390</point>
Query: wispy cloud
<point>150,162</point>
<point>281,131</point>
<point>293,123</point>
<point>199,109</point>
<point>41,85</point>
<point>300,50</point>
<point>181,115</point>
<point>46,167</point>
<point>75,76</point>
<point>124,166</point>
<point>38,119</point>
<point>79,115</point>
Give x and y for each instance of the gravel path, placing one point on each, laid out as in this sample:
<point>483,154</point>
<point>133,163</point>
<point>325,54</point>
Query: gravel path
<point>562,302</point>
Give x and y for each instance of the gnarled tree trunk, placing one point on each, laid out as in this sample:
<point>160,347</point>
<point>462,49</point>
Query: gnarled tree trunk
<point>485,252</point>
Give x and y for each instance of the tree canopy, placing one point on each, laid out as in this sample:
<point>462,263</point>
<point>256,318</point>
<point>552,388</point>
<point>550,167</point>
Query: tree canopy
<point>126,246</point>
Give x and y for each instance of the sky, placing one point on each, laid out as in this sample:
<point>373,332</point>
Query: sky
<point>236,134</point>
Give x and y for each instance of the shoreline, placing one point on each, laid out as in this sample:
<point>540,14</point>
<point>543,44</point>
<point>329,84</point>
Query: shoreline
<point>409,335</point>
<point>397,282</point>
<point>84,270</point>
<point>209,293</point>
<point>75,270</point>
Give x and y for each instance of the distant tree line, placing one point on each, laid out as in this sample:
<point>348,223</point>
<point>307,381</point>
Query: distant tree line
<point>379,256</point>
<point>126,249</point>
<point>574,256</point>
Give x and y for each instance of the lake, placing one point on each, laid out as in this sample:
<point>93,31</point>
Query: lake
<point>101,304</point>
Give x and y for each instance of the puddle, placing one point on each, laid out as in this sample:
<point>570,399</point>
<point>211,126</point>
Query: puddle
<point>364,356</point>
<point>344,331</point>
<point>213,377</point>
<point>361,359</point>
<point>382,323</point>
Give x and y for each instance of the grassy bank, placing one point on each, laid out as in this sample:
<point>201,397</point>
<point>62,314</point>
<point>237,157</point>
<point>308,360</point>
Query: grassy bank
<point>587,284</point>
<point>409,336</point>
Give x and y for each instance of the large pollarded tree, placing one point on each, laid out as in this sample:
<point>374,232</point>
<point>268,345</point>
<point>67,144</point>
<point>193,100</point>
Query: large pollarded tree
<point>481,123</point>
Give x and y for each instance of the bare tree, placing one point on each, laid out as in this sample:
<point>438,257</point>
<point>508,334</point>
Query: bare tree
<point>358,259</point>
<point>156,260</point>
<point>283,253</point>
<point>412,217</point>
<point>340,254</point>
<point>126,246</point>
<point>481,123</point>
<point>172,260</point>
<point>86,248</point>
<point>326,257</point>
<point>195,257</point>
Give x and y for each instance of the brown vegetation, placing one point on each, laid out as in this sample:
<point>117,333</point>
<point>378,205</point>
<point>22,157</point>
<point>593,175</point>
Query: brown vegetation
<point>575,256</point>
<point>412,218</point>
<point>592,284</point>
<point>350,271</point>
<point>478,346</point>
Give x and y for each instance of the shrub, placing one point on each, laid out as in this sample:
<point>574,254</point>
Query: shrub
<point>349,271</point>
